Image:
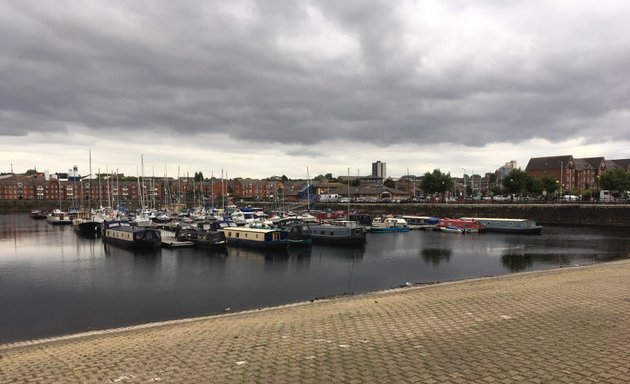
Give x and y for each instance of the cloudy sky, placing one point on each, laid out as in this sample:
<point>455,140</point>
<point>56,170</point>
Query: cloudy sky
<point>261,88</point>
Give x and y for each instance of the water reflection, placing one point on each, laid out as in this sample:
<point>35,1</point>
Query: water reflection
<point>351,252</point>
<point>256,254</point>
<point>436,255</point>
<point>53,281</point>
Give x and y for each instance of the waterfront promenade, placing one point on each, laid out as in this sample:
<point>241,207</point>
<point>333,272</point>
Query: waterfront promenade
<point>569,325</point>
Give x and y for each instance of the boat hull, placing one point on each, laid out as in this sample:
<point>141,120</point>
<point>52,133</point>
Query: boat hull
<point>256,238</point>
<point>515,226</point>
<point>87,228</point>
<point>389,229</point>
<point>133,238</point>
<point>337,235</point>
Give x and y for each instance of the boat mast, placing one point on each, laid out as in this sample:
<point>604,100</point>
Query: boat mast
<point>100,202</point>
<point>308,191</point>
<point>90,179</point>
<point>109,193</point>
<point>348,193</point>
<point>223,191</point>
<point>142,180</point>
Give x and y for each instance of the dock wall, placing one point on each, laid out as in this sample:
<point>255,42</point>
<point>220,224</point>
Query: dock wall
<point>546,214</point>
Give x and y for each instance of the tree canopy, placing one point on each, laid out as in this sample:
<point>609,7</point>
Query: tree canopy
<point>389,183</point>
<point>436,182</point>
<point>616,179</point>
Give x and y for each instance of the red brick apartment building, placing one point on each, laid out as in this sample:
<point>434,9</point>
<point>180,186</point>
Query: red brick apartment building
<point>574,174</point>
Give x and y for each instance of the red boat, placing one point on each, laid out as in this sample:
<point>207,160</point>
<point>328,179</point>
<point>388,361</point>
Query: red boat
<point>461,225</point>
<point>37,214</point>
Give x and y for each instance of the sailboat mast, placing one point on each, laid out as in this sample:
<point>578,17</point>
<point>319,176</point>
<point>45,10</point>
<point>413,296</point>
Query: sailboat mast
<point>348,193</point>
<point>90,180</point>
<point>308,191</point>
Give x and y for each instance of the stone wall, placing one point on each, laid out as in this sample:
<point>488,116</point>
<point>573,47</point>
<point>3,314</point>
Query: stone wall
<point>550,214</point>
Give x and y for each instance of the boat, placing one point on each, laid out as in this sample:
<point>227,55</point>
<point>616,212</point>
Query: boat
<point>299,231</point>
<point>204,234</point>
<point>87,224</point>
<point>464,225</point>
<point>422,222</point>
<point>36,214</point>
<point>338,232</point>
<point>389,224</point>
<point>256,237</point>
<point>121,233</point>
<point>453,229</point>
<point>522,226</point>
<point>58,217</point>
<point>243,217</point>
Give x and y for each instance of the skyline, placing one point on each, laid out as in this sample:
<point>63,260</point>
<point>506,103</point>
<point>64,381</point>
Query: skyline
<point>272,88</point>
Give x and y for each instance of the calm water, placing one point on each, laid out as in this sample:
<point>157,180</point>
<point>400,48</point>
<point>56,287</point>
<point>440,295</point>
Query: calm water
<point>53,282</point>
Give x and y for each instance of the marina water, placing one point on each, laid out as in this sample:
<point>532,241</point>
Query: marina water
<point>53,282</point>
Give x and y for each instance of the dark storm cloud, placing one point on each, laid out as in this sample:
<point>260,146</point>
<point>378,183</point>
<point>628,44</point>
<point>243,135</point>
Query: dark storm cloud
<point>308,71</point>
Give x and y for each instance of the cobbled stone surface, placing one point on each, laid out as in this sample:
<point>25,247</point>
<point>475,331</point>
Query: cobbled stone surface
<point>568,325</point>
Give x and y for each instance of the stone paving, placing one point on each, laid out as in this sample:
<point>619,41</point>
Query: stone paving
<point>569,325</point>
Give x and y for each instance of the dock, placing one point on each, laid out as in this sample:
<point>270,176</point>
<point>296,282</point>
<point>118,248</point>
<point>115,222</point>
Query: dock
<point>565,325</point>
<point>172,242</point>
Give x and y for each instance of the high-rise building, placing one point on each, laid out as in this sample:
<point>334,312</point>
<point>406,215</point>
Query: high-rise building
<point>379,169</point>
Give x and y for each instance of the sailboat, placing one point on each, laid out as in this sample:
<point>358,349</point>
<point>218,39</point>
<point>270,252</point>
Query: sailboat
<point>88,223</point>
<point>57,216</point>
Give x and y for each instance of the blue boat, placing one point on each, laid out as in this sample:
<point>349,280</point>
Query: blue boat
<point>389,224</point>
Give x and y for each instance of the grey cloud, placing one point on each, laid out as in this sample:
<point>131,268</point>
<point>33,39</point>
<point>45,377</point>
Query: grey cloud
<point>186,68</point>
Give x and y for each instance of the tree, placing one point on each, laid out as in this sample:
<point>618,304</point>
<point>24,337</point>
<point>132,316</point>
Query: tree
<point>355,182</point>
<point>198,176</point>
<point>389,183</point>
<point>549,185</point>
<point>617,179</point>
<point>285,178</point>
<point>30,172</point>
<point>328,176</point>
<point>517,182</point>
<point>436,182</point>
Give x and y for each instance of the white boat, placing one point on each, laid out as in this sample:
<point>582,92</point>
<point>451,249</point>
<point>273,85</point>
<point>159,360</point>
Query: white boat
<point>58,217</point>
<point>389,224</point>
<point>242,217</point>
<point>256,237</point>
<point>421,222</point>
<point>338,232</point>
<point>523,226</point>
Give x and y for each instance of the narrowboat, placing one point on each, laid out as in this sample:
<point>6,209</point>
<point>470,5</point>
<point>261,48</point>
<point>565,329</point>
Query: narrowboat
<point>299,232</point>
<point>256,237</point>
<point>522,226</point>
<point>389,224</point>
<point>338,232</point>
<point>121,233</point>
<point>463,225</point>
<point>204,234</point>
